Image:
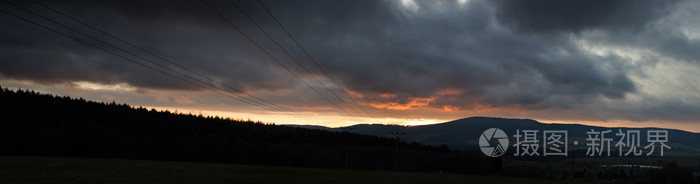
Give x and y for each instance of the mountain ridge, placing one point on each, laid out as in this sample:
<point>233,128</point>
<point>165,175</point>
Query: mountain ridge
<point>477,117</point>
<point>464,133</point>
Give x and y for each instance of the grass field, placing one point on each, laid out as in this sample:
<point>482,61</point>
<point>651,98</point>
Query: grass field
<point>29,169</point>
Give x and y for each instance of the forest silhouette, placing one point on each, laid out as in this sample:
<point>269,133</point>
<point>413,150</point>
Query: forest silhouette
<point>48,125</point>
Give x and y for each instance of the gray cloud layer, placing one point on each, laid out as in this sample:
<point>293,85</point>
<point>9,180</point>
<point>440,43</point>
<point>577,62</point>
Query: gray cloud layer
<point>498,53</point>
<point>575,16</point>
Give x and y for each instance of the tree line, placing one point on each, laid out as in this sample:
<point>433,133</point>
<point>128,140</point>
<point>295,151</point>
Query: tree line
<point>48,125</point>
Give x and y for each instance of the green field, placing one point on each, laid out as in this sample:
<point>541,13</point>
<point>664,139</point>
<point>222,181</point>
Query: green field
<point>26,169</point>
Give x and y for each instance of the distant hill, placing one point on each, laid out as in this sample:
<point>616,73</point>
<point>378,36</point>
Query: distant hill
<point>464,133</point>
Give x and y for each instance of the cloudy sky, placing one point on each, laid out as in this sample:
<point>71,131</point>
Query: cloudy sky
<point>610,63</point>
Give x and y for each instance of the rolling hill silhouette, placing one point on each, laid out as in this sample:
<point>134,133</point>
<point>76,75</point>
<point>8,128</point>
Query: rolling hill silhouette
<point>464,133</point>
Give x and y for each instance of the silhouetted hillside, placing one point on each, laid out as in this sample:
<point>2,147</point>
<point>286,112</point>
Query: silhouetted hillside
<point>464,133</point>
<point>679,162</point>
<point>41,124</point>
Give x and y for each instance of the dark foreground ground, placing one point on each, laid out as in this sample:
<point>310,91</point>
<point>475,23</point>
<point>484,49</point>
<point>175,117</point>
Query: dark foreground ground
<point>29,169</point>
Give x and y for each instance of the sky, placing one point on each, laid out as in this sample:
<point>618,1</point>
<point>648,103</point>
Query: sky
<point>335,63</point>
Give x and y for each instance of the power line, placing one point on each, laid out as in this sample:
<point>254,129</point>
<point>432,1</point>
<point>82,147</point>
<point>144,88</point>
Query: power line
<point>268,54</point>
<point>97,47</point>
<point>311,58</point>
<point>163,58</point>
<point>237,97</point>
<point>288,54</point>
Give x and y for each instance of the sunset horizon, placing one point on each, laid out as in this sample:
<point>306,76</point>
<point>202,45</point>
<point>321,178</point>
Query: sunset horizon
<point>350,91</point>
<point>338,121</point>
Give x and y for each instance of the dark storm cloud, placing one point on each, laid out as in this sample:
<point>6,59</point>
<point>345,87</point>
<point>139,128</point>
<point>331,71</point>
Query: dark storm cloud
<point>418,54</point>
<point>371,47</point>
<point>547,16</point>
<point>186,33</point>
